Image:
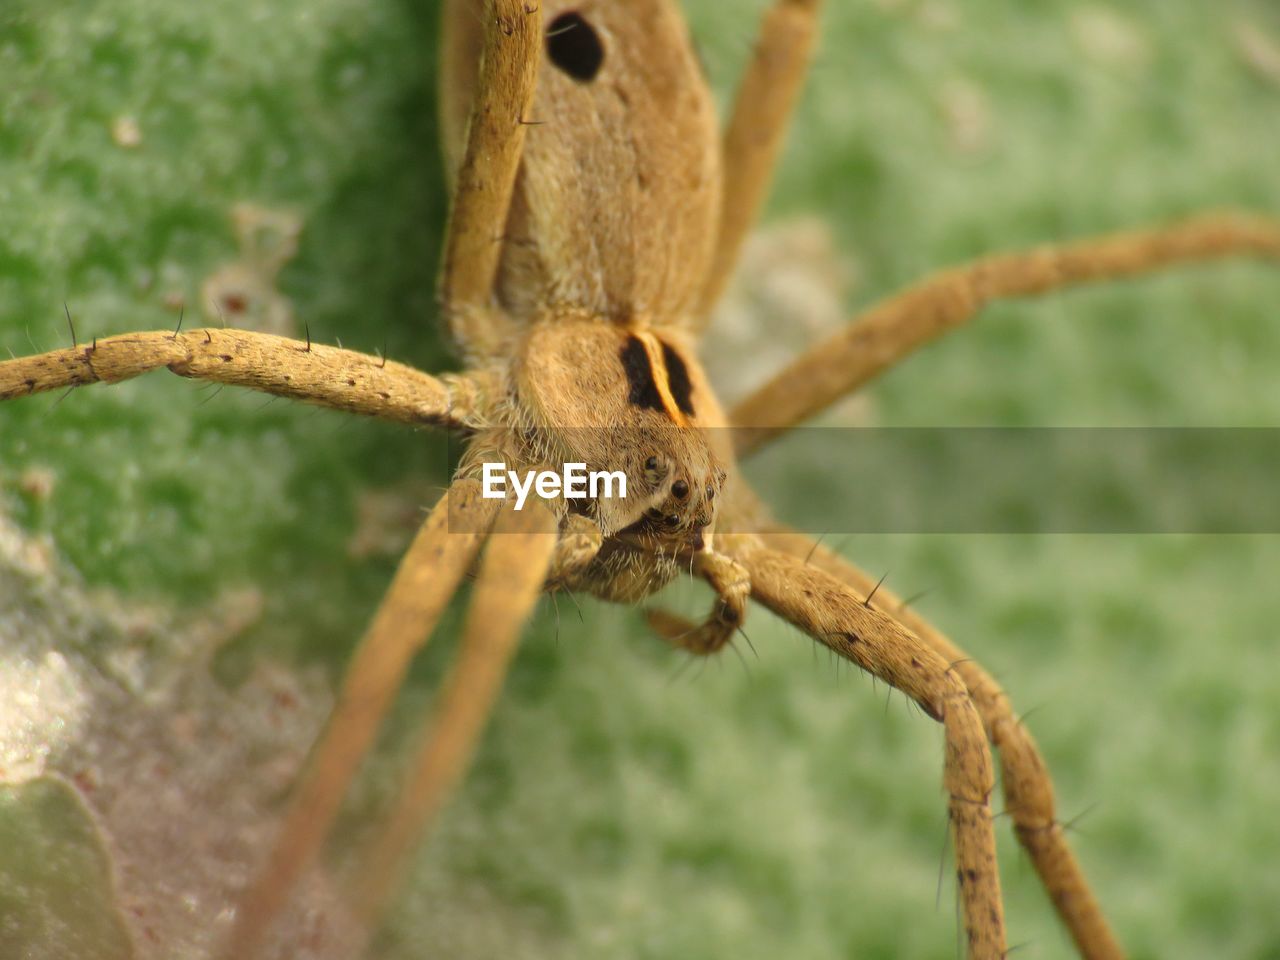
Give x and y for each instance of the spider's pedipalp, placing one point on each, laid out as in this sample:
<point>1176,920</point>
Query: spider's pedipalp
<point>579,542</point>
<point>732,587</point>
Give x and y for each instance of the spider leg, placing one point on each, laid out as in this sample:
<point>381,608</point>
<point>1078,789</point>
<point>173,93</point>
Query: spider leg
<point>486,174</point>
<point>892,328</point>
<point>766,96</point>
<point>461,40</point>
<point>327,376</point>
<point>833,614</point>
<point>425,581</point>
<point>512,572</point>
<point>1028,790</point>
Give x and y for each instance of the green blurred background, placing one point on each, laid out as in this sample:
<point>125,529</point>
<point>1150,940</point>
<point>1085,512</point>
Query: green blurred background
<point>783,810</point>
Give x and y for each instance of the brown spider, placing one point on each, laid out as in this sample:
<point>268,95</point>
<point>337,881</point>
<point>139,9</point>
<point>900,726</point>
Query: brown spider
<point>578,328</point>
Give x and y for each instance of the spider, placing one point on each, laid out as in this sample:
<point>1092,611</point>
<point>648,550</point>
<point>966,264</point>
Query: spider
<point>799,574</point>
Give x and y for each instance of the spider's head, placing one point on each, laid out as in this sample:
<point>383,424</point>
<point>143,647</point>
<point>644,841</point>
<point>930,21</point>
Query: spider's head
<point>631,400</point>
<point>673,484</point>
<point>683,500</point>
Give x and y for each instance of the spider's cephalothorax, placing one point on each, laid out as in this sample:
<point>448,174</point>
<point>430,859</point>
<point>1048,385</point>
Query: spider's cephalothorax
<point>596,216</point>
<point>619,398</point>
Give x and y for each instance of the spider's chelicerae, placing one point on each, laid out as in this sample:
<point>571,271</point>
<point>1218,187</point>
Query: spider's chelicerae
<point>577,305</point>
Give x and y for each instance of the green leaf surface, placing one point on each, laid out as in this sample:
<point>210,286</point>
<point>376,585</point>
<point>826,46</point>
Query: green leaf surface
<point>55,883</point>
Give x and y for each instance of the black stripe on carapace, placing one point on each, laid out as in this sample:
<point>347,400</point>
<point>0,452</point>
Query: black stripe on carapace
<point>678,379</point>
<point>635,362</point>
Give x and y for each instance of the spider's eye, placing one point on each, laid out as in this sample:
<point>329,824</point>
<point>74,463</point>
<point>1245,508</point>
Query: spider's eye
<point>672,520</point>
<point>575,47</point>
<point>680,489</point>
<point>711,493</point>
<point>655,468</point>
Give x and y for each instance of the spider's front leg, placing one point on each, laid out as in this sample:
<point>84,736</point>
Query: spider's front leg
<point>833,614</point>
<point>522,552</point>
<point>427,578</point>
<point>1024,776</point>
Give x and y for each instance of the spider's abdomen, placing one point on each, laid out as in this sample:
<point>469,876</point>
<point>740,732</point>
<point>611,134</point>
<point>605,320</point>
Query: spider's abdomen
<point>617,201</point>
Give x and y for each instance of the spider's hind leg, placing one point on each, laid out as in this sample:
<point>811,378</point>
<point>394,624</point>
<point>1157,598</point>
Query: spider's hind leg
<point>762,107</point>
<point>891,329</point>
<point>503,76</point>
